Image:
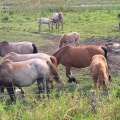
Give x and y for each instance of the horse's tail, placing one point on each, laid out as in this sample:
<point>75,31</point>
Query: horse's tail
<point>105,51</point>
<point>55,73</point>
<point>53,60</point>
<point>34,48</point>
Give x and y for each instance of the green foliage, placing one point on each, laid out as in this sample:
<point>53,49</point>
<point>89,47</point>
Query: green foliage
<point>72,102</point>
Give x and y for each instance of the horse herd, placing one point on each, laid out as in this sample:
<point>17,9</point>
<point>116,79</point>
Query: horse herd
<point>21,65</point>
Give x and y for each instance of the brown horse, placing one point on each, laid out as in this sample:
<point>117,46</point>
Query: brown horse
<point>19,47</point>
<point>78,57</point>
<point>100,74</point>
<point>72,37</point>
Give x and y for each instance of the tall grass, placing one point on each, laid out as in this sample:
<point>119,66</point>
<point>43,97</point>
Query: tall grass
<point>72,102</point>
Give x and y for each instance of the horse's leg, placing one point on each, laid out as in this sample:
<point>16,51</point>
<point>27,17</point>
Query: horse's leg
<point>68,74</point>
<point>22,92</point>
<point>49,26</point>
<point>77,43</point>
<point>39,27</point>
<point>47,88</point>
<point>96,83</point>
<point>58,25</point>
<point>62,25</point>
<point>52,26</point>
<point>10,90</point>
<point>39,87</point>
<point>105,89</point>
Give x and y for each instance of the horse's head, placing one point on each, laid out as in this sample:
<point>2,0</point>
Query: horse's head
<point>60,16</point>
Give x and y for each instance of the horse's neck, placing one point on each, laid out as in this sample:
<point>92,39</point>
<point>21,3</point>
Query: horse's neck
<point>58,53</point>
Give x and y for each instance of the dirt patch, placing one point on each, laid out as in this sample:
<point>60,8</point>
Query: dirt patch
<point>114,59</point>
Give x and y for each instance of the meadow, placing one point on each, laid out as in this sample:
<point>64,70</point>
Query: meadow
<point>95,20</point>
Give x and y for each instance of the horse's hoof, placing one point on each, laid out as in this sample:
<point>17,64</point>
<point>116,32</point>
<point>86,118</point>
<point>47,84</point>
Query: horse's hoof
<point>72,80</point>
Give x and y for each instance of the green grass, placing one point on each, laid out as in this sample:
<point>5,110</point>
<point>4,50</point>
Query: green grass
<point>72,102</point>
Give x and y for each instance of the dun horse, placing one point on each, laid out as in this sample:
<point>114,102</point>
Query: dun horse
<point>99,71</point>
<point>25,73</point>
<point>57,19</point>
<point>72,37</point>
<point>19,47</point>
<point>14,57</point>
<point>78,57</point>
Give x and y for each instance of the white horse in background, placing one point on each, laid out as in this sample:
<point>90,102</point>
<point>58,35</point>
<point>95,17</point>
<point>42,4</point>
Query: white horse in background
<point>57,19</point>
<point>44,21</point>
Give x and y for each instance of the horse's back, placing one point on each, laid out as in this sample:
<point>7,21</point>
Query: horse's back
<point>77,56</point>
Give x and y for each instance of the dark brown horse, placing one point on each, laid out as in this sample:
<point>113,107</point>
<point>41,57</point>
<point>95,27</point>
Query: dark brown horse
<point>78,57</point>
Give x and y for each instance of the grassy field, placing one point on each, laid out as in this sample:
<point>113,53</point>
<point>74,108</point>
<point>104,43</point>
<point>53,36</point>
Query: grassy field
<point>73,102</point>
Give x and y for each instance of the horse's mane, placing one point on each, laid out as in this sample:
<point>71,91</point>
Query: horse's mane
<point>60,50</point>
<point>8,55</point>
<point>4,42</point>
<point>4,61</point>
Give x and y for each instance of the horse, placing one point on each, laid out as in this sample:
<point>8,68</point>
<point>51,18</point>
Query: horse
<point>14,57</point>
<point>99,72</point>
<point>57,18</point>
<point>44,21</point>
<point>72,37</point>
<point>18,47</point>
<point>113,47</point>
<point>25,73</point>
<point>78,57</point>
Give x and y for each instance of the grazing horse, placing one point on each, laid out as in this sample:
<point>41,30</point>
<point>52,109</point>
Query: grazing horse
<point>19,47</point>
<point>44,21</point>
<point>78,57</point>
<point>57,18</point>
<point>25,73</point>
<point>72,37</point>
<point>99,71</point>
<point>14,57</point>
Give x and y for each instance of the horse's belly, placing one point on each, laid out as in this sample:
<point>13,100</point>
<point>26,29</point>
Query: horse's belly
<point>24,80</point>
<point>80,64</point>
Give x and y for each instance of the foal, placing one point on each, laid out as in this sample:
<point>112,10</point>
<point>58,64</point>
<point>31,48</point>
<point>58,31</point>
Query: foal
<point>44,21</point>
